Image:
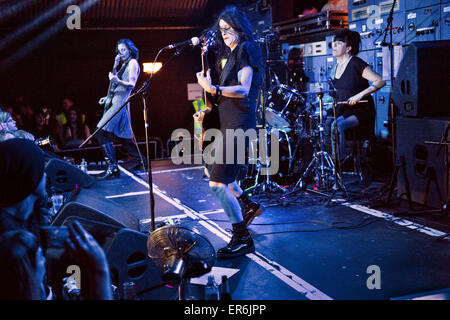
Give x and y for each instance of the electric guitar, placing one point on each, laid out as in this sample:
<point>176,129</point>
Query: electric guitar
<point>209,117</point>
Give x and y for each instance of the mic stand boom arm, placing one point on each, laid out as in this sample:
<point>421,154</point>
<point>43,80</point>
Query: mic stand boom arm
<point>144,92</point>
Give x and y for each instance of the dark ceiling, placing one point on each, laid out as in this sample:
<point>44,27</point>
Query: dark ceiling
<point>116,13</point>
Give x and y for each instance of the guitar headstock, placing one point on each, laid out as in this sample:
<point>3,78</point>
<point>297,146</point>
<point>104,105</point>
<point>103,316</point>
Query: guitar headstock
<point>208,40</point>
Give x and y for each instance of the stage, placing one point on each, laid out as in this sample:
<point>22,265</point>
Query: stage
<point>304,249</point>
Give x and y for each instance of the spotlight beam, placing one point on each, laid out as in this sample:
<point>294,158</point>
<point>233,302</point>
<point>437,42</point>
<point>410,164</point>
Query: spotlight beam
<point>11,10</point>
<point>30,26</point>
<point>39,40</point>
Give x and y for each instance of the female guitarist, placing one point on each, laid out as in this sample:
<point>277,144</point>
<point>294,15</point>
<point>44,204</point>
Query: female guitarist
<point>119,127</point>
<point>236,97</point>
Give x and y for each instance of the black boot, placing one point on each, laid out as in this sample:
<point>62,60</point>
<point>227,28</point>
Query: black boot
<point>241,243</point>
<point>250,209</point>
<point>112,171</point>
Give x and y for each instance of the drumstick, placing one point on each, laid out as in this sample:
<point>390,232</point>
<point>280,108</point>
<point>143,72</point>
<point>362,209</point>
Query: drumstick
<point>345,102</point>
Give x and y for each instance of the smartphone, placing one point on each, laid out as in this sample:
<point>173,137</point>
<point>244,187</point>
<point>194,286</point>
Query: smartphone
<point>54,236</point>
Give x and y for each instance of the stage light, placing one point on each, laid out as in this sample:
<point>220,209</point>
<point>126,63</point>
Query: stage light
<point>150,67</point>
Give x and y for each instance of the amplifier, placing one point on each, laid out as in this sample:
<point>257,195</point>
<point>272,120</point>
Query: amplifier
<point>416,4</point>
<point>381,99</point>
<point>423,24</point>
<point>445,21</point>
<point>371,30</point>
<point>319,22</point>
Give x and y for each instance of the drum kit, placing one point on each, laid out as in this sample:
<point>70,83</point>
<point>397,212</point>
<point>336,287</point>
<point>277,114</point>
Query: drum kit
<point>299,120</point>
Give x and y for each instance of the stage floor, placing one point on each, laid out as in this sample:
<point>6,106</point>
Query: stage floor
<point>304,250</point>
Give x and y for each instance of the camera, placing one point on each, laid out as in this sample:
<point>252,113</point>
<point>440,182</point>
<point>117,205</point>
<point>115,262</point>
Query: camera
<point>54,236</point>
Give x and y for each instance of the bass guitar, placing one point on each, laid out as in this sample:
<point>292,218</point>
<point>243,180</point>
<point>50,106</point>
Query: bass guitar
<point>107,100</point>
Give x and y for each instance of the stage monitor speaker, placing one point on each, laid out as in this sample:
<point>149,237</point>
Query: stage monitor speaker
<point>127,255</point>
<point>421,86</point>
<point>424,162</point>
<point>66,177</point>
<point>89,206</point>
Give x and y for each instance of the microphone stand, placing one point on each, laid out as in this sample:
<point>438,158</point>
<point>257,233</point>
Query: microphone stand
<point>401,163</point>
<point>144,92</point>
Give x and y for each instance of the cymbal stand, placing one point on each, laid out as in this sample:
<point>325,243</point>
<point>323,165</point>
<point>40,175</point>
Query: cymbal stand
<point>338,181</point>
<point>322,163</point>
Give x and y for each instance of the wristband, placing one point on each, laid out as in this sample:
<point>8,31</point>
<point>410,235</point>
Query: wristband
<point>218,91</point>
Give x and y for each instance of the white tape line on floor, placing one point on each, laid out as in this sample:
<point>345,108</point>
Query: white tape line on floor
<point>283,274</point>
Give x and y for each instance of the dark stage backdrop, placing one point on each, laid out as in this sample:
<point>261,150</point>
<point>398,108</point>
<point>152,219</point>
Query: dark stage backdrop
<point>76,64</point>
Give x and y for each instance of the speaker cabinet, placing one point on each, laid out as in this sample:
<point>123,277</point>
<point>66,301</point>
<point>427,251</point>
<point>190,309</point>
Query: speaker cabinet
<point>66,177</point>
<point>126,252</point>
<point>424,162</point>
<point>89,206</point>
<point>423,80</point>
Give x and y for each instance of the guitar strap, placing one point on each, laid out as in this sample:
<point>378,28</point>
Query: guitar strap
<point>120,74</point>
<point>122,69</point>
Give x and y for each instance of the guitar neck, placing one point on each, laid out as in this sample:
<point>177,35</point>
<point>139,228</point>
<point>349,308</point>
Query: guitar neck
<point>205,67</point>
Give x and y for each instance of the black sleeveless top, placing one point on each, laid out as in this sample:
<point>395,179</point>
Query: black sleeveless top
<point>237,113</point>
<point>349,84</point>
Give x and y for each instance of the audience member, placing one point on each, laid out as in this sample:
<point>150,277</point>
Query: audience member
<point>24,114</point>
<point>74,131</point>
<point>21,191</point>
<point>8,129</point>
<point>23,266</point>
<point>63,117</point>
<point>45,126</point>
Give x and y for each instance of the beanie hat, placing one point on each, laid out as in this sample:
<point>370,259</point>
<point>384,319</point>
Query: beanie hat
<point>21,170</point>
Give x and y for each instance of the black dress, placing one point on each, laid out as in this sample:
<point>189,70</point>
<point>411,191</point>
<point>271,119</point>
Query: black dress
<point>237,113</point>
<point>349,84</point>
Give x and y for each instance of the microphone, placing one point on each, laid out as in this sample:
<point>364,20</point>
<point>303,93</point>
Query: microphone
<point>192,42</point>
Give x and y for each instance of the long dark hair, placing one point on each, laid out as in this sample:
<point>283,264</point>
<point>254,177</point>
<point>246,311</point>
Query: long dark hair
<point>18,250</point>
<point>237,19</point>
<point>134,52</point>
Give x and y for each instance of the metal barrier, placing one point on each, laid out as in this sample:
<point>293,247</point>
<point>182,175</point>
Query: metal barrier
<point>154,142</point>
<point>179,150</point>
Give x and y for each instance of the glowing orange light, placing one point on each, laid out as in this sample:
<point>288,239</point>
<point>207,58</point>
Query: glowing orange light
<point>150,67</point>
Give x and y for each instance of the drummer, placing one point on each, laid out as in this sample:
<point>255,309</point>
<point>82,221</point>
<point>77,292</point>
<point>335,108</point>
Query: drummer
<point>351,76</point>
